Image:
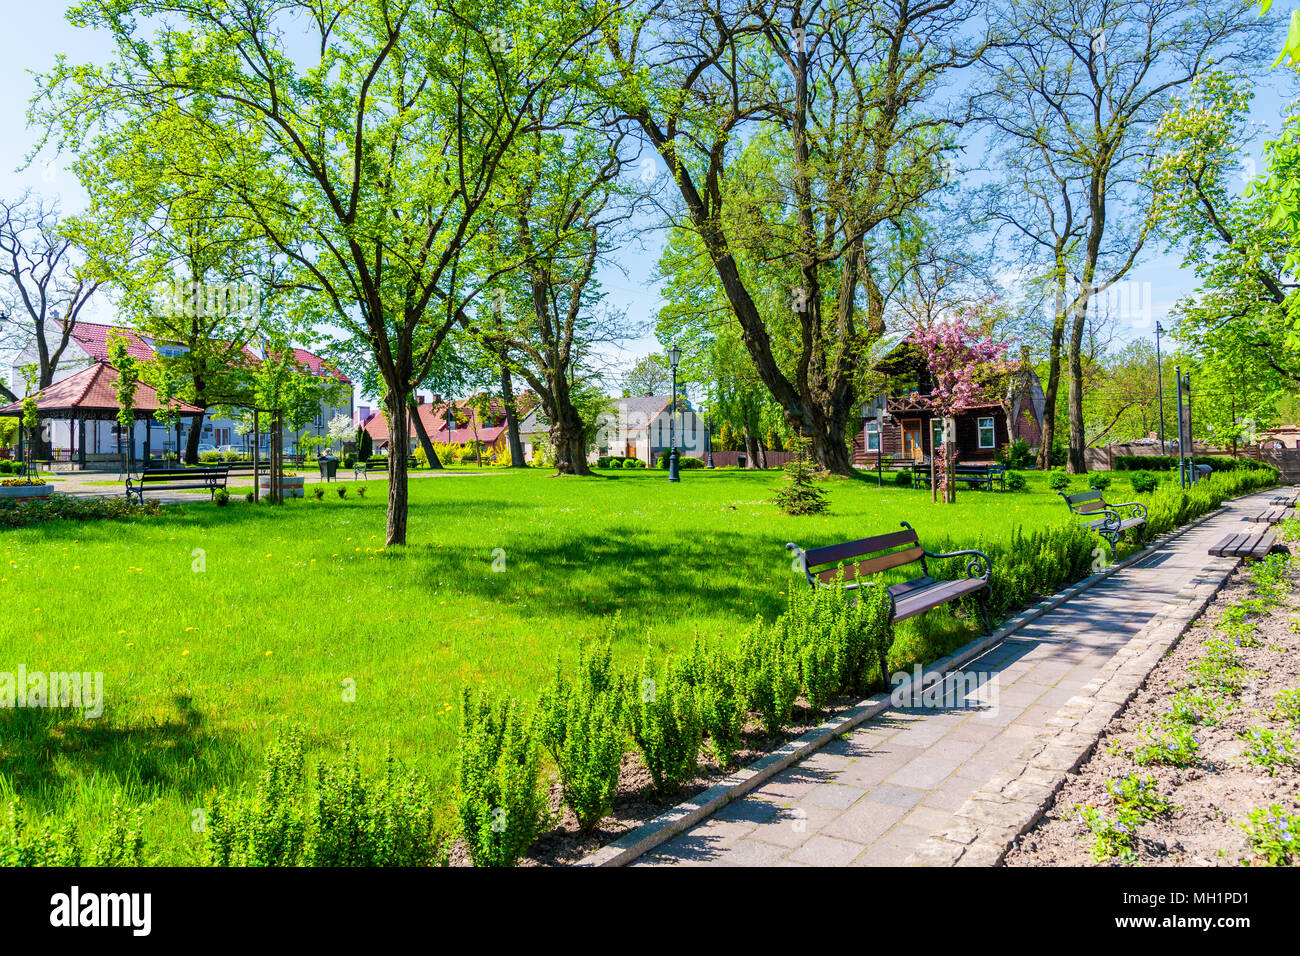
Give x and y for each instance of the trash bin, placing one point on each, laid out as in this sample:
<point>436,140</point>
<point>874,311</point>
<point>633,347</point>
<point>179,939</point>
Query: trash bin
<point>329,467</point>
<point>742,461</point>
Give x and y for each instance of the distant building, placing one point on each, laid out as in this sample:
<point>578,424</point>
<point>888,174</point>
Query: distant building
<point>912,430</point>
<point>453,422</point>
<point>89,344</point>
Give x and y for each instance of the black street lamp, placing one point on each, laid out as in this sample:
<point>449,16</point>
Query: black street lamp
<point>1160,391</point>
<point>708,432</point>
<point>674,356</point>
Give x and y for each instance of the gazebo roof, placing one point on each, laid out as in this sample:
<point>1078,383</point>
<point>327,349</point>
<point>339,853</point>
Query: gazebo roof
<point>90,394</point>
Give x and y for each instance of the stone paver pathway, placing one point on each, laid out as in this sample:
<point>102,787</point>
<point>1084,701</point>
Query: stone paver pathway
<point>873,797</point>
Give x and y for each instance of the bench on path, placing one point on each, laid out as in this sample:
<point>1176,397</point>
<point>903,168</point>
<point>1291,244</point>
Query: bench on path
<point>363,467</point>
<point>1110,524</point>
<point>1284,501</point>
<point>207,478</point>
<point>982,475</point>
<point>869,556</point>
<point>1267,516</point>
<point>1254,545</point>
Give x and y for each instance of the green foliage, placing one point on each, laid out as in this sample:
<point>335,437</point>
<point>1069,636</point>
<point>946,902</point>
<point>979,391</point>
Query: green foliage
<point>1274,835</point>
<point>1015,481</point>
<point>1136,800</point>
<point>769,675</point>
<point>666,725</point>
<point>1270,749</point>
<point>1015,455</point>
<point>1099,481</point>
<point>221,497</point>
<point>344,820</point>
<point>17,513</point>
<point>1144,482</point>
<point>50,842</point>
<point>1171,744</point>
<point>499,799</point>
<point>1058,481</point>
<point>580,723</point>
<point>715,677</point>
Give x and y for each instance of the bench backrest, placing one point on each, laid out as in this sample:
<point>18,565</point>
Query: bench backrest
<point>863,557</point>
<point>175,474</point>
<point>1085,502</point>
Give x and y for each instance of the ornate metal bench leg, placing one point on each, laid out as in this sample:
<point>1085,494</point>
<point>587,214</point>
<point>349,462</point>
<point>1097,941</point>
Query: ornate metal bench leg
<point>984,610</point>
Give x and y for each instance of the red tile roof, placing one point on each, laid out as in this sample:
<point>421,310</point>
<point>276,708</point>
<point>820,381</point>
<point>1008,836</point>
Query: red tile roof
<point>92,390</point>
<point>435,423</point>
<point>93,337</point>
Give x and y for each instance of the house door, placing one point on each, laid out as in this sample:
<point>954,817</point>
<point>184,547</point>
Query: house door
<point>912,447</point>
<point>631,450</point>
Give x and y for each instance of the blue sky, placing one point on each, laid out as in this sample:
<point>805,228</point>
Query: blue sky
<point>35,32</point>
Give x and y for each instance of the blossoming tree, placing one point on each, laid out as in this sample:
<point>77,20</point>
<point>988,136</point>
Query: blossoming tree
<point>963,358</point>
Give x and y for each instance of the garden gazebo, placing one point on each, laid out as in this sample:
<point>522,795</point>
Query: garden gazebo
<point>89,396</point>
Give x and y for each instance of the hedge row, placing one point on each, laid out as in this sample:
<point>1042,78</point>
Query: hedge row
<point>614,461</point>
<point>1167,462</point>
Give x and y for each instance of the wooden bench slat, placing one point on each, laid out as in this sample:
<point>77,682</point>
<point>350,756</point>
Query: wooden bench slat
<point>1083,496</point>
<point>861,569</point>
<point>835,553</point>
<point>925,599</point>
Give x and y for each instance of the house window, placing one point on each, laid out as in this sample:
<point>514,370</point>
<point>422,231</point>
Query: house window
<point>987,434</point>
<point>873,436</point>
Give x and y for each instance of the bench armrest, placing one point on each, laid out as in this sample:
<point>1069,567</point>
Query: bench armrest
<point>1139,509</point>
<point>800,562</point>
<point>978,566</point>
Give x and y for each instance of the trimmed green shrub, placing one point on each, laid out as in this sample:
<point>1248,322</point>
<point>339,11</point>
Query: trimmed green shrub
<point>580,723</point>
<point>1144,482</point>
<point>270,827</point>
<point>769,675</point>
<point>1058,481</point>
<point>633,463</point>
<point>903,479</point>
<point>499,800</point>
<point>1015,481</point>
<point>665,723</point>
<point>1099,481</point>
<point>722,704</point>
<point>686,462</point>
<point>222,497</point>
<point>18,512</point>
<point>1015,455</point>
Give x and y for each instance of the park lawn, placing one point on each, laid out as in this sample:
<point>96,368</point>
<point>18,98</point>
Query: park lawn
<point>216,627</point>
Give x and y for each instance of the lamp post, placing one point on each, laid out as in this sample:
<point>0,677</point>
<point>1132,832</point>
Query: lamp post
<point>708,431</point>
<point>674,356</point>
<point>1160,391</point>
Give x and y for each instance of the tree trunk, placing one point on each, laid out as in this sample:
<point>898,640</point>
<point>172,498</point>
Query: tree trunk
<point>422,433</point>
<point>192,441</point>
<point>512,419</point>
<point>1050,391</point>
<point>1075,463</point>
<point>751,447</point>
<point>570,449</point>
<point>399,446</point>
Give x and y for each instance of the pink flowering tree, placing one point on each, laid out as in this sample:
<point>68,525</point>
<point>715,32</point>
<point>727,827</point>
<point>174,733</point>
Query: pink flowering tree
<point>963,359</point>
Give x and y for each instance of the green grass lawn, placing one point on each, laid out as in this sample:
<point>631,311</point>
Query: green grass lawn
<point>215,627</point>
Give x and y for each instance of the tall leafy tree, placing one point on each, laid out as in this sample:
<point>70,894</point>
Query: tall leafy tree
<point>362,138</point>
<point>793,132</point>
<point>1076,91</point>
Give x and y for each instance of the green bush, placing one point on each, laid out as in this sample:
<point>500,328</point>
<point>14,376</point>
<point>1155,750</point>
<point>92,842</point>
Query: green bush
<point>47,842</point>
<point>18,513</point>
<point>580,723</point>
<point>714,676</point>
<point>1058,481</point>
<point>685,462</point>
<point>343,821</point>
<point>1099,481</point>
<point>633,463</point>
<point>1015,455</point>
<point>903,478</point>
<point>222,497</point>
<point>211,457</point>
<point>1144,482</point>
<point>839,640</point>
<point>499,800</point>
<point>665,723</point>
<point>1015,481</point>
<point>768,675</point>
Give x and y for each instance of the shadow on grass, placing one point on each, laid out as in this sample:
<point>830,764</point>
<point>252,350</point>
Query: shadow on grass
<point>49,753</point>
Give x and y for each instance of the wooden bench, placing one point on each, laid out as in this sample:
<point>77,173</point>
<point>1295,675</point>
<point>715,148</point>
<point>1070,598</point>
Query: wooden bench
<point>1110,525</point>
<point>1254,545</point>
<point>1284,501</point>
<point>868,556</point>
<point>1267,516</point>
<point>362,468</point>
<point>208,478</point>
<point>982,475</point>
